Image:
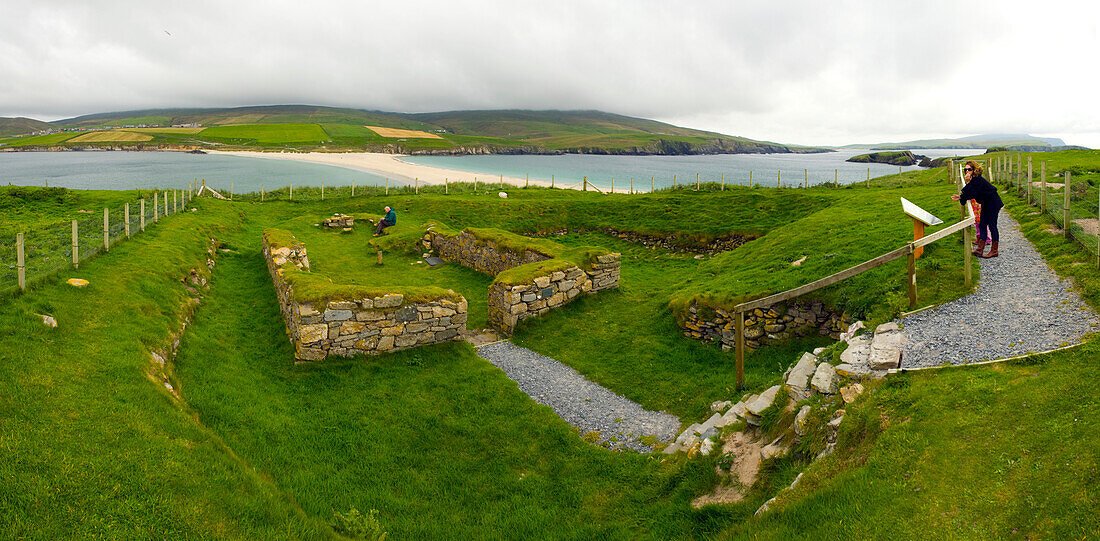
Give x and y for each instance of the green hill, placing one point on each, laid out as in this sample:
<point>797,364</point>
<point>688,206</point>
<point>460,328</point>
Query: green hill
<point>1014,142</point>
<point>21,125</point>
<point>454,132</point>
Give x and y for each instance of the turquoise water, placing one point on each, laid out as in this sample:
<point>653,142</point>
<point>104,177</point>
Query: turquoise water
<point>121,170</point>
<point>766,169</point>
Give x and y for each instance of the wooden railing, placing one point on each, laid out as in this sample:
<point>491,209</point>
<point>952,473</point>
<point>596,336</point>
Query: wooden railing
<point>908,250</point>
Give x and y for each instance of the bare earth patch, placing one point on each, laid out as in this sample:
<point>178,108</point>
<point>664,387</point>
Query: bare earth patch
<point>394,132</point>
<point>1050,185</point>
<point>1054,230</point>
<point>746,466</point>
<point>1090,225</point>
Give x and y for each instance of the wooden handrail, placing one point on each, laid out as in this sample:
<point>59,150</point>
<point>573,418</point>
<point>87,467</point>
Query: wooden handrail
<point>908,250</point>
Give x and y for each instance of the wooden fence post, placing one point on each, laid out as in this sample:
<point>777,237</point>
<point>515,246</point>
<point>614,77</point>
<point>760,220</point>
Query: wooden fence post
<point>696,181</point>
<point>292,191</point>
<point>836,178</point>
<point>1030,201</point>
<point>262,192</point>
<point>739,356</point>
<point>416,183</point>
<point>175,201</point>
<point>126,217</point>
<point>723,182</point>
<point>76,247</point>
<point>805,178</point>
<point>446,186</point>
<point>652,185</point>
<point>352,188</point>
<point>166,203</point>
<point>106,230</point>
<point>387,185</point>
<point>20,266</point>
<point>750,178</point>
<point>1068,178</point>
<point>912,277</point>
<point>156,211</point>
<point>585,184</point>
<point>632,185</point>
<point>527,181</point>
<point>868,177</point>
<point>779,179</point>
<point>143,215</point>
<point>1042,186</point>
<point>322,191</point>
<point>502,181</point>
<point>612,184</point>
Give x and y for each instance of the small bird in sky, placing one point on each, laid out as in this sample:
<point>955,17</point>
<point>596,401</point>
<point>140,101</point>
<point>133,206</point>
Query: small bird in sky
<point>167,32</point>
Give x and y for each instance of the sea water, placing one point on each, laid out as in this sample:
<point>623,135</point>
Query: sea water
<point>126,170</point>
<point>766,169</point>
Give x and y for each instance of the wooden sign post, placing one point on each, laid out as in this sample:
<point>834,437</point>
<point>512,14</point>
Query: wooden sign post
<point>920,218</point>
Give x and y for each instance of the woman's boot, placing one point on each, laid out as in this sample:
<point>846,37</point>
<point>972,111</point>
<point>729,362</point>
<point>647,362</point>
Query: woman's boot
<point>980,249</point>
<point>992,251</point>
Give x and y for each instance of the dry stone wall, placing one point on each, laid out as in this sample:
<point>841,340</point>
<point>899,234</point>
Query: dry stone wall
<point>369,325</point>
<point>763,326</point>
<point>481,255</point>
<point>511,303</point>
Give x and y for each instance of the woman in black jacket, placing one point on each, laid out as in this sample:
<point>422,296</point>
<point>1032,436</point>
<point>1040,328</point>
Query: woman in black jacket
<point>980,190</point>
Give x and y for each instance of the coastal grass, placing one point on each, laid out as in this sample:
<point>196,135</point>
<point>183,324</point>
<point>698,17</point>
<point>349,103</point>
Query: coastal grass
<point>91,446</point>
<point>37,140</point>
<point>30,208</point>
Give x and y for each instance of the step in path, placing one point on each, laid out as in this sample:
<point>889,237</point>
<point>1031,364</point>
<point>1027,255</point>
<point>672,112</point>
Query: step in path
<point>581,403</point>
<point>1020,306</point>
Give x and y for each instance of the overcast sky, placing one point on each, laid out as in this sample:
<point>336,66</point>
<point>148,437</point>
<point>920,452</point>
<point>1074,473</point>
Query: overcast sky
<point>809,72</point>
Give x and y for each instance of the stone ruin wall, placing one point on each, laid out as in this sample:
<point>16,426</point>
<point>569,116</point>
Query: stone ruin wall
<point>508,305</point>
<point>480,255</point>
<point>776,323</point>
<point>369,325</point>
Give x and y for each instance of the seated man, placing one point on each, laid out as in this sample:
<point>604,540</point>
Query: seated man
<point>389,221</point>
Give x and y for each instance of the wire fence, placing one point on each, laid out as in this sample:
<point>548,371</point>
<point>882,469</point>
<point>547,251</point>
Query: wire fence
<point>36,253</point>
<point>1070,197</point>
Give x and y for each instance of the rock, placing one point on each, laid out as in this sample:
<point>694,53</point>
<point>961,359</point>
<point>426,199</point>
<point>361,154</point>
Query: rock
<point>734,413</point>
<point>308,334</point>
<point>672,448</point>
<point>824,380</point>
<point>851,392</point>
<point>886,328</point>
<point>819,351</point>
<point>709,434</point>
<point>76,282</point>
<point>798,263</point>
<point>858,351</point>
<point>884,359</point>
<point>502,195</point>
<point>699,256</point>
<point>762,403</point>
<point>48,321</point>
<point>800,420</point>
<point>890,340</point>
<point>687,434</point>
<point>390,300</point>
<point>852,371</point>
<point>833,427</point>
<point>798,382</point>
<point>711,422</point>
<point>774,449</point>
<point>720,405</point>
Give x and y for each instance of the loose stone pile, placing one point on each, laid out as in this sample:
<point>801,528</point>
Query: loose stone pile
<point>808,377</point>
<point>776,323</point>
<point>339,221</point>
<point>373,324</point>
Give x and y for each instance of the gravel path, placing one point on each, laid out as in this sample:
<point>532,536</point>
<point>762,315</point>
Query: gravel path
<point>582,403</point>
<point>1020,306</point>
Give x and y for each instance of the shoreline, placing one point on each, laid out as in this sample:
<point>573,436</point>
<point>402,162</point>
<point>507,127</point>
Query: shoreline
<point>384,165</point>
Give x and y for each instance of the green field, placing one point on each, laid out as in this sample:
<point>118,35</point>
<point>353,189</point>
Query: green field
<point>37,140</point>
<point>266,134</point>
<point>443,445</point>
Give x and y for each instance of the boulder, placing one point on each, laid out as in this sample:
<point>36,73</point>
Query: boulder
<point>824,380</point>
<point>763,401</point>
<point>711,422</point>
<point>851,392</point>
<point>798,381</point>
<point>884,359</point>
<point>736,412</point>
<point>886,328</point>
<point>720,405</point>
<point>859,349</point>
<point>852,371</point>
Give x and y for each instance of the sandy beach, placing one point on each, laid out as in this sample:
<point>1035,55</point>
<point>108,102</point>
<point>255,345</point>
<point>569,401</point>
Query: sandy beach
<point>386,165</point>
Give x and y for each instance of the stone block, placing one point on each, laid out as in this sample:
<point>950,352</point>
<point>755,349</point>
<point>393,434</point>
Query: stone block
<point>310,354</point>
<point>393,330</point>
<point>798,381</point>
<point>851,392</point>
<point>557,276</point>
<point>800,419</point>
<point>824,380</point>
<point>309,334</point>
<point>352,327</point>
<point>366,303</point>
<point>391,300</point>
<point>528,297</point>
<point>367,344</point>
<point>852,370</point>
<point>459,319</point>
<point>556,299</point>
<point>385,343</point>
<point>368,315</point>
<point>518,308</point>
<point>338,315</point>
<point>884,359</point>
<point>886,328</point>
<point>764,401</point>
<point>405,313</point>
<point>462,306</point>
<point>404,340</point>
<point>542,281</point>
<point>416,327</point>
<point>306,309</point>
<point>439,311</point>
<point>446,334</point>
<point>342,305</point>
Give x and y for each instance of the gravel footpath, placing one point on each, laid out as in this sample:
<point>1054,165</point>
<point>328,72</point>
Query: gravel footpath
<point>1020,306</point>
<point>582,403</point>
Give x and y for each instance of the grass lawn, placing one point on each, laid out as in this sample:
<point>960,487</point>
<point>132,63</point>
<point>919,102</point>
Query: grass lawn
<point>265,134</point>
<point>443,445</point>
